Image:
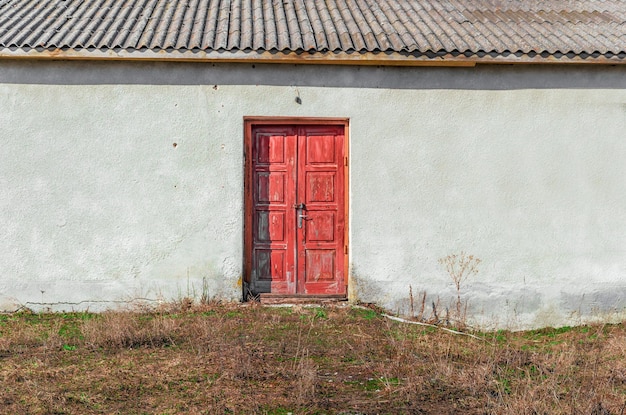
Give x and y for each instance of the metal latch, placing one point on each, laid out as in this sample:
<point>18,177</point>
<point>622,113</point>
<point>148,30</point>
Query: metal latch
<point>301,216</point>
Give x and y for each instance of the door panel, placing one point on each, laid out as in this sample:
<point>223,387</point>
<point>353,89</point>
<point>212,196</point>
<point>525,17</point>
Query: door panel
<point>320,187</point>
<point>298,212</point>
<point>320,265</point>
<point>273,189</point>
<point>320,184</point>
<point>320,227</point>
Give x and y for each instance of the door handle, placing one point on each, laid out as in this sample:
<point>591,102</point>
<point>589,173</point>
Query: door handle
<point>302,218</point>
<point>300,208</point>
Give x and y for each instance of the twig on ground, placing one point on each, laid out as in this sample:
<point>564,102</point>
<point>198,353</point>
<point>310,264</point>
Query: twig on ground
<point>419,323</point>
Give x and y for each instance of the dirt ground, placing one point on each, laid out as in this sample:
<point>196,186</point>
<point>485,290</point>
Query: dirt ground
<point>250,359</point>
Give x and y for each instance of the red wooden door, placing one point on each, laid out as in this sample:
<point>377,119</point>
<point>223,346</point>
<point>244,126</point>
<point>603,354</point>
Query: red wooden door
<point>298,210</point>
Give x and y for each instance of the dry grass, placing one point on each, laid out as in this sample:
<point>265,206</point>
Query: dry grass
<point>234,359</point>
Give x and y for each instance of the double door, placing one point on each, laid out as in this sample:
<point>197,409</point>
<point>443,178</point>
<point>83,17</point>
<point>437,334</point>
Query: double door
<point>297,208</point>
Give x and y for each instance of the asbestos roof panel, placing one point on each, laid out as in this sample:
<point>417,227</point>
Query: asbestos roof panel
<point>409,27</point>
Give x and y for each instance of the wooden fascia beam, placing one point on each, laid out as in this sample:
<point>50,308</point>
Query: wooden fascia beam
<point>329,58</point>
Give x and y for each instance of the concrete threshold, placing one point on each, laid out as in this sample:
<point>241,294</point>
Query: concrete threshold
<point>267,298</point>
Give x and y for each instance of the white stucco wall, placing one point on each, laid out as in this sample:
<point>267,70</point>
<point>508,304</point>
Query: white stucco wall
<point>531,182</point>
<point>99,207</point>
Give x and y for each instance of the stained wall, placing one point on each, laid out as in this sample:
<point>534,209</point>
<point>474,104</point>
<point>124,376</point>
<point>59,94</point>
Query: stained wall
<point>123,182</point>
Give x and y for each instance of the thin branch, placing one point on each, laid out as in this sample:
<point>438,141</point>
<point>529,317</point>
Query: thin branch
<point>419,323</point>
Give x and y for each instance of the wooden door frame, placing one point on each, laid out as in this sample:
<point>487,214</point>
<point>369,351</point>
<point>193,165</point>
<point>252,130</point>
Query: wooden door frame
<point>248,123</point>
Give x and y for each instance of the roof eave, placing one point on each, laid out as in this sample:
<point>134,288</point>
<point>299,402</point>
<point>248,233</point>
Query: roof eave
<point>320,58</point>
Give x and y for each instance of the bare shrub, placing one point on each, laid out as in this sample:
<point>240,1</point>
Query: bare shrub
<point>460,267</point>
<point>567,380</point>
<point>202,334</point>
<point>129,330</point>
<point>26,336</point>
<point>22,337</point>
<point>420,311</point>
<point>305,378</point>
<point>242,359</point>
<point>51,338</point>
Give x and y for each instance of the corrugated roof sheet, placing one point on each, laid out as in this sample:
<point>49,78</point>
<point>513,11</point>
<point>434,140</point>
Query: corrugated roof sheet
<point>430,29</point>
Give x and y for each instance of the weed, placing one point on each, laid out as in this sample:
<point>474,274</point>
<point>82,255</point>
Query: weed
<point>305,378</point>
<point>460,267</point>
<point>277,411</point>
<point>422,304</point>
<point>70,331</point>
<point>320,313</point>
<point>128,330</point>
<point>365,313</point>
<point>504,386</point>
<point>205,297</point>
<point>422,315</point>
<point>500,336</point>
<point>232,314</point>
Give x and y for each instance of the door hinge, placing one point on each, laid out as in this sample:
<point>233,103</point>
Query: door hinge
<point>345,161</point>
<point>345,249</point>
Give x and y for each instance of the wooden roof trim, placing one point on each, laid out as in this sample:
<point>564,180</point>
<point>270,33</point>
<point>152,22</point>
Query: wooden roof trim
<point>329,58</point>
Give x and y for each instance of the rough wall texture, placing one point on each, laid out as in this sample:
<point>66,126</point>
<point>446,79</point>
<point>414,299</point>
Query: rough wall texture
<point>124,182</point>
